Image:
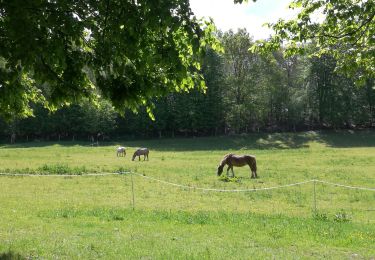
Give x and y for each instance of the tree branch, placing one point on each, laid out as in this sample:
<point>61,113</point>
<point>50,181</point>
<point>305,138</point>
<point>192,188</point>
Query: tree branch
<point>340,36</point>
<point>50,70</point>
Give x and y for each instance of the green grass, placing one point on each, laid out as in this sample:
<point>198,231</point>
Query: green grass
<point>92,217</point>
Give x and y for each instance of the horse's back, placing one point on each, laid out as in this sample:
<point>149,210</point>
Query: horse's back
<point>142,151</point>
<point>241,160</point>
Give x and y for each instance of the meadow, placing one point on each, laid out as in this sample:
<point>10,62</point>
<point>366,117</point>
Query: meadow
<point>91,217</point>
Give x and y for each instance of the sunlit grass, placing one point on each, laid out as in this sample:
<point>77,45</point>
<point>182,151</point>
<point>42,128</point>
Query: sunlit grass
<point>93,217</point>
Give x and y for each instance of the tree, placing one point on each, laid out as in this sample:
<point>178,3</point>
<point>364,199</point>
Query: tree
<point>337,101</point>
<point>345,32</point>
<point>239,67</point>
<point>59,52</point>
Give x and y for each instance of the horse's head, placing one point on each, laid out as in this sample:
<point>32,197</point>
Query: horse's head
<point>219,170</point>
<point>134,155</point>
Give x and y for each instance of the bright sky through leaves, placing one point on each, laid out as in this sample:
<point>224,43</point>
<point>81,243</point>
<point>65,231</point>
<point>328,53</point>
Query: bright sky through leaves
<point>251,16</point>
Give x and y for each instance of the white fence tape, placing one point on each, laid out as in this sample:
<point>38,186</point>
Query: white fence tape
<point>345,186</point>
<point>191,187</point>
<point>58,175</point>
<point>220,190</point>
<point>254,189</point>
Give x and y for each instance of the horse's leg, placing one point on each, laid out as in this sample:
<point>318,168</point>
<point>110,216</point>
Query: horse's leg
<point>232,171</point>
<point>228,169</point>
<point>253,173</point>
<point>139,157</point>
<point>254,170</point>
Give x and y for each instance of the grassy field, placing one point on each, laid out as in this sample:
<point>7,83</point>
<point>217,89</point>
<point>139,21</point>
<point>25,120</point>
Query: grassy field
<point>92,217</point>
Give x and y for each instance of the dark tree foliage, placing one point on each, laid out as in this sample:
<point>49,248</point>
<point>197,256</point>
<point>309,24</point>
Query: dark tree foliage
<point>246,92</point>
<point>343,29</point>
<point>127,51</point>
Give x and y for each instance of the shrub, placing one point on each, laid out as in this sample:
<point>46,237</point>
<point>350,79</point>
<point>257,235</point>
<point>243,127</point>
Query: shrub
<point>320,216</point>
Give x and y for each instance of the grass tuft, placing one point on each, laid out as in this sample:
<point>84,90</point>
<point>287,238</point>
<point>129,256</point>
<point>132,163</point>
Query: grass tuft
<point>225,178</point>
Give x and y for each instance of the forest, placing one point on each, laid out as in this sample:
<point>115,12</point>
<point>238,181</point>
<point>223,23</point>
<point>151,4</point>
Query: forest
<point>246,92</point>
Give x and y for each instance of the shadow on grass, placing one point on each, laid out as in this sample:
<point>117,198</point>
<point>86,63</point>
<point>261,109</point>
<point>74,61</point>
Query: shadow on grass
<point>348,138</point>
<point>261,141</point>
<point>34,144</point>
<point>11,256</point>
<point>265,141</point>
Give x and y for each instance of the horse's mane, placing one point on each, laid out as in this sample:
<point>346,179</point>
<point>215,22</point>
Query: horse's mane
<point>222,163</point>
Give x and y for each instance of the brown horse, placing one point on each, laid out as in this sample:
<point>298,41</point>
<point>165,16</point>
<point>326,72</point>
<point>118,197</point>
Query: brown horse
<point>238,160</point>
<point>139,152</point>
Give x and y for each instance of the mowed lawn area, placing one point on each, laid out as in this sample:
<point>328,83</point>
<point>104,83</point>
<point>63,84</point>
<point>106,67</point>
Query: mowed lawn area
<point>91,217</point>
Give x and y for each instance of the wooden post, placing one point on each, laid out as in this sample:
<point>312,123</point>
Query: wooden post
<point>314,197</point>
<point>131,176</point>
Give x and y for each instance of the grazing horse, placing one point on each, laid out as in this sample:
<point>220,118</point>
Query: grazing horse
<point>238,160</point>
<point>13,138</point>
<point>121,151</point>
<point>139,152</point>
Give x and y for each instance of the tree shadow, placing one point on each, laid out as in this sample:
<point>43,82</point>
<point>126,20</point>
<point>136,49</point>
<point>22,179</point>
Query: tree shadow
<point>11,256</point>
<point>241,142</point>
<point>56,143</point>
<point>265,141</point>
<point>348,138</point>
<point>255,141</point>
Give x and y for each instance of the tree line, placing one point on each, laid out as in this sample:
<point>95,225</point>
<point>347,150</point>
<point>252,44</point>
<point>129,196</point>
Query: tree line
<point>246,92</point>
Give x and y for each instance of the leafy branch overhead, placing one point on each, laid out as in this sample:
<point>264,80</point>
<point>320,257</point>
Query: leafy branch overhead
<point>59,52</point>
<point>344,29</point>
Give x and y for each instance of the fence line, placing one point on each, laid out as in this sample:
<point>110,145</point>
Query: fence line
<point>345,186</point>
<point>191,187</point>
<point>60,175</point>
<point>221,190</point>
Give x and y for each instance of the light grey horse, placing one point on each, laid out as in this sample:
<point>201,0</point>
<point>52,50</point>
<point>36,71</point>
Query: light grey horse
<point>121,151</point>
<point>139,152</point>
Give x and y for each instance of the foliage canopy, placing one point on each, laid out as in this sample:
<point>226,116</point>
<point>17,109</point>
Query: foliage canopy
<point>59,52</point>
<point>344,29</point>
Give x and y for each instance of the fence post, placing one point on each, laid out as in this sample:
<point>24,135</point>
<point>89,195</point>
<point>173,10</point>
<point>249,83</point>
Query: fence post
<point>314,197</point>
<point>131,176</point>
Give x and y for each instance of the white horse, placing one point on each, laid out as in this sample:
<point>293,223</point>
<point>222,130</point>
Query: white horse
<point>121,151</point>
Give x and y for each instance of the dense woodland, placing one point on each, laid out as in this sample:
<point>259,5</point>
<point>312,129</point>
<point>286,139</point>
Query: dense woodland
<point>246,92</point>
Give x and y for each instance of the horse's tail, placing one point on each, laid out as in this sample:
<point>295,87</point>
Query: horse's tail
<point>253,163</point>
